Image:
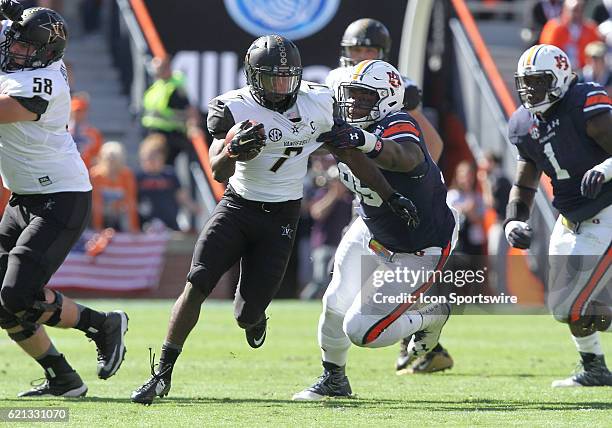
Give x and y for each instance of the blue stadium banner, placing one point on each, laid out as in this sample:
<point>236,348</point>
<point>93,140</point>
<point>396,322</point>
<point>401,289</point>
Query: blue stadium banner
<point>208,39</point>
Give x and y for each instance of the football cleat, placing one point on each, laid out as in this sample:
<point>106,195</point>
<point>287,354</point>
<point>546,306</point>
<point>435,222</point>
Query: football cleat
<point>110,341</point>
<point>256,335</point>
<point>425,340</point>
<point>592,372</point>
<point>404,359</point>
<point>332,383</point>
<point>62,385</point>
<point>433,361</point>
<point>158,384</point>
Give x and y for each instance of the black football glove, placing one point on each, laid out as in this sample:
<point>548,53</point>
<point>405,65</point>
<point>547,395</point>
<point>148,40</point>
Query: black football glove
<point>342,135</point>
<point>11,9</point>
<point>247,140</point>
<point>518,234</point>
<point>404,208</point>
<point>592,182</point>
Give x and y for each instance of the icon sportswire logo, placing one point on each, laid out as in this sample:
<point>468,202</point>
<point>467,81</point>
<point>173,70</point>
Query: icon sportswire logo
<point>294,19</point>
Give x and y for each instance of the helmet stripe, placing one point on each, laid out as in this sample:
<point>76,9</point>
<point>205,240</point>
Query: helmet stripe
<point>535,55</point>
<point>360,66</point>
<point>531,56</point>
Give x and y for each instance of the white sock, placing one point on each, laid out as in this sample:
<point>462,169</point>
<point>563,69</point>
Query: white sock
<point>332,340</point>
<point>589,344</point>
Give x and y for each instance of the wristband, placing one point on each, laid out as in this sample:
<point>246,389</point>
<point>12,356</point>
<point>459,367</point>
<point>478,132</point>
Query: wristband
<point>370,142</point>
<point>605,168</point>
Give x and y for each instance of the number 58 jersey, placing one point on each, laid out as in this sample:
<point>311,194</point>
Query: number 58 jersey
<point>40,156</point>
<point>561,148</point>
<point>277,173</point>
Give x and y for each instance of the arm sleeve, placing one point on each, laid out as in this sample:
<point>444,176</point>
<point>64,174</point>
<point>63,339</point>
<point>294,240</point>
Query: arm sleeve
<point>35,104</point>
<point>220,118</point>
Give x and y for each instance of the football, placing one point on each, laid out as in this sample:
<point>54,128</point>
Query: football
<point>243,157</point>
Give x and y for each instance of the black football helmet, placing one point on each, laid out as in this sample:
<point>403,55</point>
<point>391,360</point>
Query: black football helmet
<point>364,32</point>
<point>273,69</point>
<point>43,31</point>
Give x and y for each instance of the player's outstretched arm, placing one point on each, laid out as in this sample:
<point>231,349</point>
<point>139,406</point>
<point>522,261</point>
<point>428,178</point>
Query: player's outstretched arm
<point>386,153</point>
<point>518,233</point>
<point>11,110</point>
<point>222,165</point>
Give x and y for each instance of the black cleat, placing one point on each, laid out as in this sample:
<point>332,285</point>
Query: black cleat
<point>110,342</point>
<point>593,372</point>
<point>256,335</point>
<point>332,383</point>
<point>158,384</point>
<point>62,385</point>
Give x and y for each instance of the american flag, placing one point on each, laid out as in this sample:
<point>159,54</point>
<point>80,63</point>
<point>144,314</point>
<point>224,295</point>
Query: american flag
<point>130,262</point>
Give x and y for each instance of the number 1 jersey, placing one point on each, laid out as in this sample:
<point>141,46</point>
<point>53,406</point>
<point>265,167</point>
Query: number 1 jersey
<point>559,146</point>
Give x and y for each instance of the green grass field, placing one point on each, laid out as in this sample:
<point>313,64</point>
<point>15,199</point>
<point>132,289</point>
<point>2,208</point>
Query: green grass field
<point>502,374</point>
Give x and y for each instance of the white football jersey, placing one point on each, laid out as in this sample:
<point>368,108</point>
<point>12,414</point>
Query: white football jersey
<point>277,173</point>
<point>41,156</point>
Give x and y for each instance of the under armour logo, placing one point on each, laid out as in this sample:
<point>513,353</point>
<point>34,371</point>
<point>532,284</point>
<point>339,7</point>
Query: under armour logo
<point>286,231</point>
<point>295,129</point>
<point>354,136</point>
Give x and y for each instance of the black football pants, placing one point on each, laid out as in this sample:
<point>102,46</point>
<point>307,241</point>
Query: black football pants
<point>261,236</point>
<point>36,234</point>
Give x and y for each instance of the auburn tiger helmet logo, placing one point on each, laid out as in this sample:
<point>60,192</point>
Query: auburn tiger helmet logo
<point>394,79</point>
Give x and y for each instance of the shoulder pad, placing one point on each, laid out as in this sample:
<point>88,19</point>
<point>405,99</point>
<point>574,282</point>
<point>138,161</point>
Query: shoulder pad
<point>519,124</point>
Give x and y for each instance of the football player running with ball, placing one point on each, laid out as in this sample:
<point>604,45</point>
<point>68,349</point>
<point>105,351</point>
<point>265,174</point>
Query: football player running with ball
<point>276,121</point>
<point>50,203</point>
<point>365,39</point>
<point>564,129</point>
<point>371,102</point>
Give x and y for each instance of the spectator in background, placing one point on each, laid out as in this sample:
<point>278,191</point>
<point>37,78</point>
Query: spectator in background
<point>114,191</point>
<point>88,139</point>
<point>596,68</point>
<point>571,32</point>
<point>159,190</point>
<point>331,210</point>
<point>166,110</point>
<point>495,187</point>
<point>464,197</point>
<point>538,13</point>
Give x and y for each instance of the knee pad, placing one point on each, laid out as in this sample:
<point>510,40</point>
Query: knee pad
<point>55,308</point>
<point>199,277</point>
<point>28,317</point>
<point>27,331</point>
<point>7,320</point>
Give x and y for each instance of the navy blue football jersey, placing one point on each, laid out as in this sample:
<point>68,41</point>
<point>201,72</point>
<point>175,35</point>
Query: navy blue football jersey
<point>561,148</point>
<point>424,186</point>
